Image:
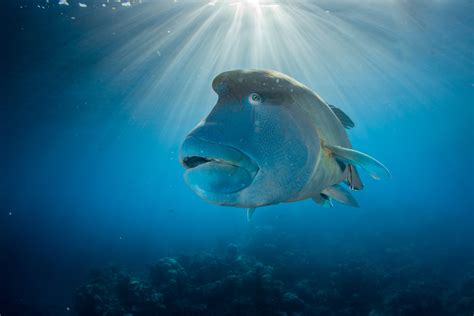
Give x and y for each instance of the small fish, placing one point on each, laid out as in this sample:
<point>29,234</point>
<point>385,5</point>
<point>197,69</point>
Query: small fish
<point>269,140</point>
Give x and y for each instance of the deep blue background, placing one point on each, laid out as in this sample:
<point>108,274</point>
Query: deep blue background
<point>83,183</point>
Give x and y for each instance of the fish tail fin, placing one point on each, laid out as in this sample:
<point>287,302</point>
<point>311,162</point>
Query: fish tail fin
<point>353,179</point>
<point>374,167</point>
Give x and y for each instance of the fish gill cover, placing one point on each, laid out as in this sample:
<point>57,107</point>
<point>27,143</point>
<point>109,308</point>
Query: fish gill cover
<point>98,96</point>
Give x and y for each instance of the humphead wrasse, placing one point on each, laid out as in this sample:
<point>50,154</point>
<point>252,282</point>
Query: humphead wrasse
<point>269,140</point>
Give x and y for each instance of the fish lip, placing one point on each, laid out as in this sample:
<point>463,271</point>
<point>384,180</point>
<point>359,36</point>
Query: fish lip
<point>215,152</point>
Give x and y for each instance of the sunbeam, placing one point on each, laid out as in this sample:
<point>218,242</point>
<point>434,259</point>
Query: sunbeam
<point>342,50</point>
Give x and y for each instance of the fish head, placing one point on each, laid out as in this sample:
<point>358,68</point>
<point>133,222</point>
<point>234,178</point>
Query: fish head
<point>256,147</point>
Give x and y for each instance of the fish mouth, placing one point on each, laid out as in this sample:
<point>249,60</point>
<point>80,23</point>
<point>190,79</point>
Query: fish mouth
<point>195,161</point>
<point>215,167</point>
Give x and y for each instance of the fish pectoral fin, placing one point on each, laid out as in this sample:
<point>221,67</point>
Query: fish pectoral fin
<point>343,117</point>
<point>323,199</point>
<point>341,194</point>
<point>374,167</point>
<point>250,212</point>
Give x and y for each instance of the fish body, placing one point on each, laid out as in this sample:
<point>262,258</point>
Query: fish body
<point>270,139</point>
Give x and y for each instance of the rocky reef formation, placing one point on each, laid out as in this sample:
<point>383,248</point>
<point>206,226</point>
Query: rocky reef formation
<point>271,279</point>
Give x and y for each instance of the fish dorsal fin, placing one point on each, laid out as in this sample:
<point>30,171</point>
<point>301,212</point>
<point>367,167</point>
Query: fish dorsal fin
<point>250,212</point>
<point>341,194</point>
<point>374,167</point>
<point>343,117</point>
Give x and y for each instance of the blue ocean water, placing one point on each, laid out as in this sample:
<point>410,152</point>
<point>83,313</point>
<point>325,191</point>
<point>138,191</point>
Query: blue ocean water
<point>97,100</point>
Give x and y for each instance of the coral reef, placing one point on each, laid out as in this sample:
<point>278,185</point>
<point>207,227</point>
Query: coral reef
<point>257,278</point>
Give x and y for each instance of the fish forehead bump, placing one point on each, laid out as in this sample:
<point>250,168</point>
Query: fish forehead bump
<point>256,79</point>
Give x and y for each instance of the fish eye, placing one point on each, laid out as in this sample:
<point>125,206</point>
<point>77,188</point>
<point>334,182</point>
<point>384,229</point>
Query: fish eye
<point>255,99</point>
